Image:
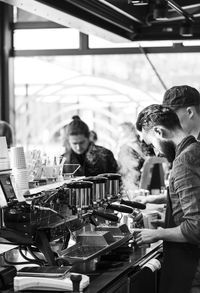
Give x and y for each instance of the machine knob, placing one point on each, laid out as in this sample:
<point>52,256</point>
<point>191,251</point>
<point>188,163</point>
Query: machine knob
<point>76,279</point>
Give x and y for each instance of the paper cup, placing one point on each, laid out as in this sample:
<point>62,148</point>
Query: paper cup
<point>17,157</point>
<point>148,217</point>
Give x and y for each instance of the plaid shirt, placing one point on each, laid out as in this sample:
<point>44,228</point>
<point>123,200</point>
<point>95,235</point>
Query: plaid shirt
<point>184,188</point>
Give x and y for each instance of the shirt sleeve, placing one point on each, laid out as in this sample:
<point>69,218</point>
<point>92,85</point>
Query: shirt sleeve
<point>187,186</point>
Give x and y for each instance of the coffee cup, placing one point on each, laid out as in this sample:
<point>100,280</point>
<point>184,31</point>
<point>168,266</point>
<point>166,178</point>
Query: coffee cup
<point>148,217</point>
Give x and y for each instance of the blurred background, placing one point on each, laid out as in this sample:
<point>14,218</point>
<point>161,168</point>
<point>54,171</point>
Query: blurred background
<point>53,80</point>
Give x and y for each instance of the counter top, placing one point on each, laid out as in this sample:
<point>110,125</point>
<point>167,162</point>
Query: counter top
<point>131,263</point>
<point>121,262</point>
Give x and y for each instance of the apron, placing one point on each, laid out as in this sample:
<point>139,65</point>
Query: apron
<point>180,261</point>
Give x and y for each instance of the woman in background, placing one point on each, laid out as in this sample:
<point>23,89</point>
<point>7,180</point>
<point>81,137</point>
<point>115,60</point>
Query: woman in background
<point>93,159</point>
<point>130,159</point>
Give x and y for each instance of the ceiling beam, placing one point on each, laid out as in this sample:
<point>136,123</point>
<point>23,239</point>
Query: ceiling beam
<point>180,10</point>
<point>114,7</point>
<point>63,18</point>
<point>176,48</point>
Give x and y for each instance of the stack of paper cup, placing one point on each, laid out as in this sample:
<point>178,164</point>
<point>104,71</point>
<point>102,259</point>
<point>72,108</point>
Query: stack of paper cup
<point>17,157</point>
<point>21,178</point>
<point>19,171</point>
<point>4,156</point>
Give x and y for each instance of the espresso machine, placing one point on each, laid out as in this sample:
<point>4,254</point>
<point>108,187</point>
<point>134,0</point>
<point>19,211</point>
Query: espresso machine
<point>73,223</point>
<point>106,196</point>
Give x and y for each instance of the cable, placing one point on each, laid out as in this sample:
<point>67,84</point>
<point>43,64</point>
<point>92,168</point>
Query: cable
<point>24,256</point>
<point>153,67</point>
<point>41,208</point>
<point>35,256</point>
<point>29,259</point>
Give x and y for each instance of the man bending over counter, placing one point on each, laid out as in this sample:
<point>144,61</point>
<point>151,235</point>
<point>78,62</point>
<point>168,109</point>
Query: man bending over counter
<point>93,159</point>
<point>184,100</point>
<point>160,127</point>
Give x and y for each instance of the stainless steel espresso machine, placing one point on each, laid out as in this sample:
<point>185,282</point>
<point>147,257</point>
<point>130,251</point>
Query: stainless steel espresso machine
<point>73,223</point>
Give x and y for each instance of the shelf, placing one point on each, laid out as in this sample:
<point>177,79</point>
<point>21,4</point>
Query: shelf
<point>52,185</point>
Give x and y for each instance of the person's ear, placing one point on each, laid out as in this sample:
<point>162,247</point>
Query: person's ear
<point>160,132</point>
<point>190,112</point>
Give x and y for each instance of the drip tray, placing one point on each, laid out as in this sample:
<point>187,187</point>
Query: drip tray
<point>80,251</point>
<point>91,245</point>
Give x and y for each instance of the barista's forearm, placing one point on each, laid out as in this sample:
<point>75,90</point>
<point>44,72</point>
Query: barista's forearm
<point>171,234</point>
<point>160,198</point>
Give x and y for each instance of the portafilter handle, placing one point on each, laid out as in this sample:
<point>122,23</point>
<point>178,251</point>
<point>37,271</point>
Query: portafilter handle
<point>120,208</point>
<point>106,216</point>
<point>133,204</point>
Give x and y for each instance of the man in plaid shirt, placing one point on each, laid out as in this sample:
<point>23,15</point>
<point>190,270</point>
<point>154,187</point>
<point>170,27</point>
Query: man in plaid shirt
<point>160,127</point>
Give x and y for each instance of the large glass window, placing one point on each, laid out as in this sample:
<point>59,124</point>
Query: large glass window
<point>63,38</point>
<point>103,90</point>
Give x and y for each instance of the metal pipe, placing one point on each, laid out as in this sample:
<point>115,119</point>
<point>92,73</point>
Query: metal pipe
<point>181,11</point>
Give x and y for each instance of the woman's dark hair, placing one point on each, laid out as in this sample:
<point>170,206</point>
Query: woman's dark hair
<point>77,127</point>
<point>154,115</point>
<point>6,130</point>
<point>93,136</point>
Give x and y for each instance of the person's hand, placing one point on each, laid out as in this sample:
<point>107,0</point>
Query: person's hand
<point>145,236</point>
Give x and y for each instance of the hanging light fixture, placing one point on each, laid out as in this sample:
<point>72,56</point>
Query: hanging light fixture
<point>186,29</point>
<point>160,10</point>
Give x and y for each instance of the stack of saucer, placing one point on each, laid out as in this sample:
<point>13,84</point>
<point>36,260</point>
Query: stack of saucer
<point>4,156</point>
<point>19,171</point>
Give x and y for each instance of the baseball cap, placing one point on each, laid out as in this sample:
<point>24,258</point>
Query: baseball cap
<point>181,96</point>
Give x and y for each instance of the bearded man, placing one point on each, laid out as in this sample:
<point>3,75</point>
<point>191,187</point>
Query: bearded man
<point>160,127</point>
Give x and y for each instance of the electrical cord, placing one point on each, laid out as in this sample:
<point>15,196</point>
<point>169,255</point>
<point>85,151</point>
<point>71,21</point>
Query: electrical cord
<point>52,195</point>
<point>35,256</point>
<point>29,259</point>
<point>24,256</point>
<point>41,208</point>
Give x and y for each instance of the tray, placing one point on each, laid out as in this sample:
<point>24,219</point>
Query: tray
<point>83,253</point>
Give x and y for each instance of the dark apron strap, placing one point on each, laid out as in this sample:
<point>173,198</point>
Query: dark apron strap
<point>180,261</point>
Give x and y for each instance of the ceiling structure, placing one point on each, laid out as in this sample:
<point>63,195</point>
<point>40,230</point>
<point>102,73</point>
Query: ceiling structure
<point>118,21</point>
<point>138,20</point>
<point>122,20</point>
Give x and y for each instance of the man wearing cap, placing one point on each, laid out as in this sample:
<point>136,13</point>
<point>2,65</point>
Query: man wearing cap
<point>185,101</point>
<point>160,126</point>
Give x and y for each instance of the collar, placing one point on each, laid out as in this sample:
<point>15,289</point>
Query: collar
<point>184,144</point>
